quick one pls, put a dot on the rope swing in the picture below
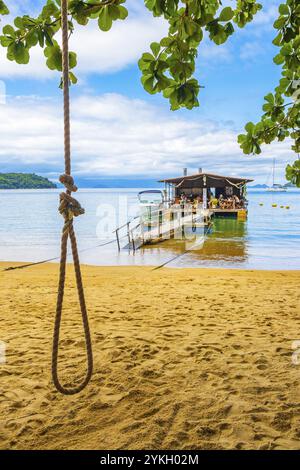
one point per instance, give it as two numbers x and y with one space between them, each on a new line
69 208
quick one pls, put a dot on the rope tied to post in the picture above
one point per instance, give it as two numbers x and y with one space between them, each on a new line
69 208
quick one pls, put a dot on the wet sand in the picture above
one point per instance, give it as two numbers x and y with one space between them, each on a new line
184 359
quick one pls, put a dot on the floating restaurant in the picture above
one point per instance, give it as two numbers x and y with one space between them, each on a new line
186 205
220 195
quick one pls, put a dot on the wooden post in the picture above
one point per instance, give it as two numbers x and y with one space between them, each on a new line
142 231
118 240
204 198
159 223
128 233
150 218
133 243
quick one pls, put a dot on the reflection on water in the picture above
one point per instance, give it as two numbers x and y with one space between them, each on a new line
30 229
268 239
225 242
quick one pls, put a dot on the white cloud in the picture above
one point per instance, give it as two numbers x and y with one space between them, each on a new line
253 41
210 53
98 52
252 50
115 135
109 52
267 15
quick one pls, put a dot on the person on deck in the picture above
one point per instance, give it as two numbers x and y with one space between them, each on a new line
221 202
183 199
236 202
213 203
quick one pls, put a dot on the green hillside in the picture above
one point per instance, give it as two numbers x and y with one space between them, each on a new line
24 181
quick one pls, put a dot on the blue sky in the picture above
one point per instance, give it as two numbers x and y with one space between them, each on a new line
118 129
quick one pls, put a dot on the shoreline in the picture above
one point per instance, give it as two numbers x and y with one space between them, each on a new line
184 359
149 267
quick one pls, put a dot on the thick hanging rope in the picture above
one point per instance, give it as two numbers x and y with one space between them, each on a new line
69 208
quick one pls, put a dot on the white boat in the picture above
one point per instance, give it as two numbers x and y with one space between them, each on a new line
276 187
151 197
161 218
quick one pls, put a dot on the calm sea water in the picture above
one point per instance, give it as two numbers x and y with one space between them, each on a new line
30 228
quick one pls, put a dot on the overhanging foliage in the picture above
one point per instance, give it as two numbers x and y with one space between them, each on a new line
169 66
281 118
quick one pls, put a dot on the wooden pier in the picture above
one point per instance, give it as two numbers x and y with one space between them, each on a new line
162 225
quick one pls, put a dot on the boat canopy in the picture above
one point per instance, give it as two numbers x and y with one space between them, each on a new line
151 196
206 180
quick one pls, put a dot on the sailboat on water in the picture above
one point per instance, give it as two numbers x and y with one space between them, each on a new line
276 187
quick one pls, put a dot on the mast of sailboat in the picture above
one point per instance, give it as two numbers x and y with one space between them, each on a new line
273 171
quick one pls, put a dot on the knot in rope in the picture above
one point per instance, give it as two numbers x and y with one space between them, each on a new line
69 208
68 182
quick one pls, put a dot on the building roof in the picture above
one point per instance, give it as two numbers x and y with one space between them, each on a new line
209 176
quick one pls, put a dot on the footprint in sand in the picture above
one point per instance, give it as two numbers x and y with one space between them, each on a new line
282 421
262 363
225 426
206 431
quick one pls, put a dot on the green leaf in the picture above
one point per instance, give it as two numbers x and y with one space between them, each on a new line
3 8
48 37
5 41
249 127
123 12
73 78
277 40
220 38
155 48
9 31
284 9
229 29
113 12
280 22
72 60
32 38
148 83
41 38
105 20
166 42
49 10
18 22
20 53
278 59
226 14
270 98
54 57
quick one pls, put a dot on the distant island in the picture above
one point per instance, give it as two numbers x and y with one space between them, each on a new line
265 186
24 181
260 186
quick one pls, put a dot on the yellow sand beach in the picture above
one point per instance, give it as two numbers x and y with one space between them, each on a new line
184 359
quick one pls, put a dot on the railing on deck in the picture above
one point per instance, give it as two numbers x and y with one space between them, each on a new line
157 224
